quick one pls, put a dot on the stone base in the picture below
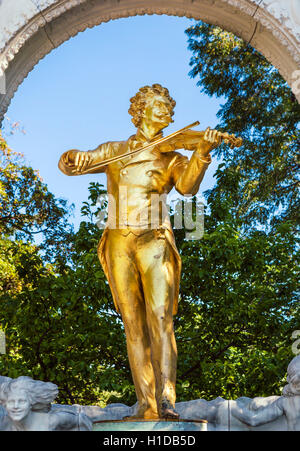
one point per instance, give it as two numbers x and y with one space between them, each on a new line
150 425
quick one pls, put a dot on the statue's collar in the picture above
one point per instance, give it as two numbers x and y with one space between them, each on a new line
141 138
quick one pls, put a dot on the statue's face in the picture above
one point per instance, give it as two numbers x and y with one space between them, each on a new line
158 111
18 404
295 384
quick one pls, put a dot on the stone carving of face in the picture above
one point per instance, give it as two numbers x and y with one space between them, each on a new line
295 384
158 111
18 404
293 378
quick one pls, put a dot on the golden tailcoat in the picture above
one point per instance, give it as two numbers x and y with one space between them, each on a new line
133 180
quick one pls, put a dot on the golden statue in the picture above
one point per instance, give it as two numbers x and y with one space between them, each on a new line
141 262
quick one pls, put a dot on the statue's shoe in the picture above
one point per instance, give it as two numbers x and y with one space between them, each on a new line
167 410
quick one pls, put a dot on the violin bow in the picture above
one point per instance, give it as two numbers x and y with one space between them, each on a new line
141 149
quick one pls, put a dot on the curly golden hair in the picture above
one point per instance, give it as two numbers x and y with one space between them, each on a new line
138 102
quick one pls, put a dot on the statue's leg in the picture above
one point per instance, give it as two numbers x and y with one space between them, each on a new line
156 262
126 284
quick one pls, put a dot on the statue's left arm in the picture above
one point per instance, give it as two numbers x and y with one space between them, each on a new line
186 174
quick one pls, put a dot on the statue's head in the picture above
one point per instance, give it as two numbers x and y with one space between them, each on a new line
293 378
20 396
152 104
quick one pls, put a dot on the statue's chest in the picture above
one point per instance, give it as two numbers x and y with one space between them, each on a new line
148 171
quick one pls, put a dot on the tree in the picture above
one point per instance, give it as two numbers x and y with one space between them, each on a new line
55 308
238 304
233 327
242 315
57 318
28 209
237 311
262 175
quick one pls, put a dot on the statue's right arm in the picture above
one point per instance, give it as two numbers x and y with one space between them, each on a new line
74 162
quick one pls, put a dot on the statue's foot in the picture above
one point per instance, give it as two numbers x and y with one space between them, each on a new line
167 410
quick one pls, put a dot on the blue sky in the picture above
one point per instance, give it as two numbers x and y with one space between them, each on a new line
77 97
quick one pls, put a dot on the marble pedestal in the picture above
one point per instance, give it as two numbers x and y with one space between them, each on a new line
151 425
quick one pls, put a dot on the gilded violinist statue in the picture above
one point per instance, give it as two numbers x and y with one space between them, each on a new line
140 260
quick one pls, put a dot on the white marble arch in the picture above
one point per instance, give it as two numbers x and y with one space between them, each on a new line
30 29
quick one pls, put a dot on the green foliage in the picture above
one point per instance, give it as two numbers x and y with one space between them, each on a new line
237 312
61 328
28 209
59 322
239 296
262 176
238 304
236 315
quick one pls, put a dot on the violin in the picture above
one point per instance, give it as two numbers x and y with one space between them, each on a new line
189 139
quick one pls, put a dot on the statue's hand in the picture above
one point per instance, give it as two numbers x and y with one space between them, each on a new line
213 138
210 140
82 161
78 160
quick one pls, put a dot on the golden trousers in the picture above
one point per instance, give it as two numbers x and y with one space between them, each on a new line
141 274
